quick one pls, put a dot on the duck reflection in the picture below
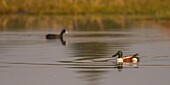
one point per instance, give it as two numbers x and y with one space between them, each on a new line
122 65
119 66
62 41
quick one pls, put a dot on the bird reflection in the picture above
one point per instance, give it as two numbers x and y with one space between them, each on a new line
122 65
119 66
63 42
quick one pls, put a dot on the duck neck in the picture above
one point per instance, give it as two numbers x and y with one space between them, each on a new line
120 56
61 34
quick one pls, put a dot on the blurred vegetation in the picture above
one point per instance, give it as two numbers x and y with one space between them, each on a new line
148 8
76 23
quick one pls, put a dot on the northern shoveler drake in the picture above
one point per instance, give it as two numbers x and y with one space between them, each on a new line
121 59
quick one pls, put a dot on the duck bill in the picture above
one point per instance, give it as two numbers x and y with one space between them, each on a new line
114 55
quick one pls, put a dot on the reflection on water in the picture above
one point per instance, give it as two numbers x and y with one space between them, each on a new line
63 42
94 49
79 23
26 22
84 56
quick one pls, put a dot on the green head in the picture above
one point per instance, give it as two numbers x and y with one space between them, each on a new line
119 54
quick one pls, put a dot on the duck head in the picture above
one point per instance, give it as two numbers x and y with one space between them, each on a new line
119 54
63 31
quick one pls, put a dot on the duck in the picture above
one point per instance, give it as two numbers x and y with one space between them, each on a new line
127 59
56 36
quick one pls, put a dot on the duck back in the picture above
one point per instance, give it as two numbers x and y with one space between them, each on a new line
52 36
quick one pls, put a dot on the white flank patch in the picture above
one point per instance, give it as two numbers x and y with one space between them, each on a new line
135 60
119 60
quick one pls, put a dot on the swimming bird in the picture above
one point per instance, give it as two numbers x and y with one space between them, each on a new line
121 58
56 36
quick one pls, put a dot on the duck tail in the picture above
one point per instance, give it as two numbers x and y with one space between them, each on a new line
137 54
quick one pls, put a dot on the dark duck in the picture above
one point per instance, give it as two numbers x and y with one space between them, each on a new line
56 36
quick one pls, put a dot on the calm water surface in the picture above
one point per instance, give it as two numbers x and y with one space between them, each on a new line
27 58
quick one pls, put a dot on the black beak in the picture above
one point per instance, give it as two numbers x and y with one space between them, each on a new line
114 55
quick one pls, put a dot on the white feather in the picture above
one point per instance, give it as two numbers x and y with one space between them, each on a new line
135 60
119 60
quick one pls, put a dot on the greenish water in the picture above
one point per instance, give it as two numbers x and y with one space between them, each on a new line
27 58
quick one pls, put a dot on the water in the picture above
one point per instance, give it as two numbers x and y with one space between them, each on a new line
27 58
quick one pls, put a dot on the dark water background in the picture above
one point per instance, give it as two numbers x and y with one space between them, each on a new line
27 58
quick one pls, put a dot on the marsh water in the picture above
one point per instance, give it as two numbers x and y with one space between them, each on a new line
84 57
